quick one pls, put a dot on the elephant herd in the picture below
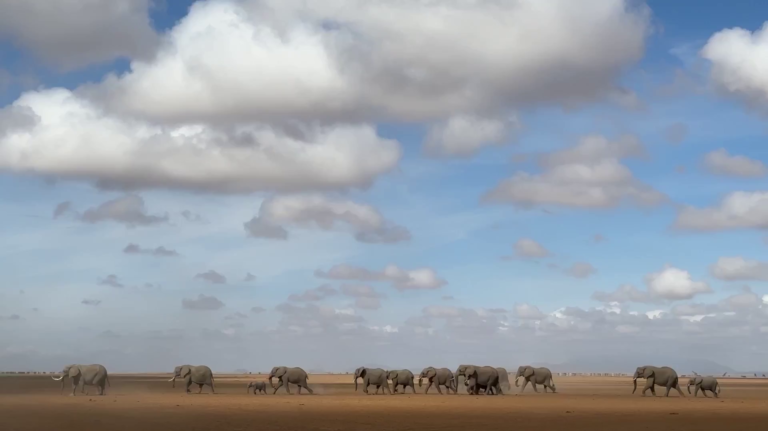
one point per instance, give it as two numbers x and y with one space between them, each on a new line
477 379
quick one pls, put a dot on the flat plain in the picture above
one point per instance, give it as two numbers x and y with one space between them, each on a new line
148 402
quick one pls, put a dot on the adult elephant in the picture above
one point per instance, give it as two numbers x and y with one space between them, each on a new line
372 376
198 374
503 378
92 375
658 376
534 376
460 374
438 377
289 375
487 377
704 384
402 378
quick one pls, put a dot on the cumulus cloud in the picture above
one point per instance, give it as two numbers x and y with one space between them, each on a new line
128 210
528 312
676 133
112 281
528 248
71 138
414 279
383 61
586 175
211 277
157 251
738 66
464 136
317 294
202 303
75 33
61 209
737 268
324 213
581 270
674 284
737 210
720 162
366 297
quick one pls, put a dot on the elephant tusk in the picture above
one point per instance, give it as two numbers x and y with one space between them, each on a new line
54 378
171 379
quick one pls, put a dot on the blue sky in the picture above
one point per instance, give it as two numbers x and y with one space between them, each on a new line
252 138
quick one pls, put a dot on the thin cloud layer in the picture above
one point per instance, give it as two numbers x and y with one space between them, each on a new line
211 277
202 303
400 279
157 251
529 248
739 269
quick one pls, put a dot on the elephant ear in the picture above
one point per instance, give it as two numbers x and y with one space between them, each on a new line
393 375
528 372
698 380
185 370
431 372
74 371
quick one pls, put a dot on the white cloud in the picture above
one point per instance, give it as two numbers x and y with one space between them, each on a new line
737 210
674 284
529 248
71 138
738 268
317 294
412 61
740 64
74 33
212 277
414 279
586 175
528 312
464 136
721 163
325 213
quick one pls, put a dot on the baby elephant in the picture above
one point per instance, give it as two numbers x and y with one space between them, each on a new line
257 387
705 384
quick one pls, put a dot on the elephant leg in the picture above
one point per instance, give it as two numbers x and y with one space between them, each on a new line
429 385
288 387
74 387
649 385
696 391
306 386
279 383
522 388
200 388
679 391
544 385
714 392
213 389
498 390
533 384
668 389
704 392
298 390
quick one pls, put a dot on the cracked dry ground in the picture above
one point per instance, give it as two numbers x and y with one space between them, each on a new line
147 402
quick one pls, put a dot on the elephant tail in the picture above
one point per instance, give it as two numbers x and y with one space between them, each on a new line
551 381
718 388
108 384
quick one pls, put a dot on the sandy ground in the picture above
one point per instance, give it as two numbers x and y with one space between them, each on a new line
147 402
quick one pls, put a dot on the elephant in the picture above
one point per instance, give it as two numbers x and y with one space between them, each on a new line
460 373
197 374
402 378
257 387
705 384
372 376
92 375
659 376
503 378
437 377
541 376
289 375
482 377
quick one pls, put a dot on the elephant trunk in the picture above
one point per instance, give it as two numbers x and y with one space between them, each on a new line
270 381
634 385
355 382
420 378
689 389
516 383
173 379
248 389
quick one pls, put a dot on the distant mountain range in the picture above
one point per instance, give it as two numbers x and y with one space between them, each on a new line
619 364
